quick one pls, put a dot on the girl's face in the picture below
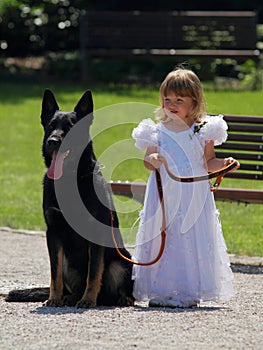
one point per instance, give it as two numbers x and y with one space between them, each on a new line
177 106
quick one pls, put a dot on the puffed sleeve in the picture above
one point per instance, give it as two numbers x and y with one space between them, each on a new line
215 129
145 134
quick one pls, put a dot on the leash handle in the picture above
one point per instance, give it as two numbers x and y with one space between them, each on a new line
232 166
219 174
163 230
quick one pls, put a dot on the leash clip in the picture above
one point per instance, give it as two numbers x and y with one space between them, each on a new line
214 187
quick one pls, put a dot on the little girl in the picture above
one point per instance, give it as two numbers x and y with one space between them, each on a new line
194 266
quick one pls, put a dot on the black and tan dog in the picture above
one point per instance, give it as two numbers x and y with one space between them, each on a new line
86 270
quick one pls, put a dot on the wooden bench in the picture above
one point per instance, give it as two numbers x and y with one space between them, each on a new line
245 143
176 35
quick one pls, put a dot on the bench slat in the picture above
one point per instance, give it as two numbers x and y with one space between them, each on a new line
243 175
245 138
241 156
252 167
231 118
239 195
240 146
246 128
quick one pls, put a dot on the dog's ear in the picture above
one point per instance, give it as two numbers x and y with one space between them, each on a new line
85 105
49 106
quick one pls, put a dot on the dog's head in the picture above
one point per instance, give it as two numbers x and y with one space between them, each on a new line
57 124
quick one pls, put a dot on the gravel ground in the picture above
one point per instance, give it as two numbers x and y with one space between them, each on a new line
236 324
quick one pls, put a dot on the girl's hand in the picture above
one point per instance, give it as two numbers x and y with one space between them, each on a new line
155 160
228 161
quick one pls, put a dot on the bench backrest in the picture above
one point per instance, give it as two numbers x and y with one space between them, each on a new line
168 30
245 143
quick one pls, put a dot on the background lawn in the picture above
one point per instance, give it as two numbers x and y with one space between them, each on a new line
117 111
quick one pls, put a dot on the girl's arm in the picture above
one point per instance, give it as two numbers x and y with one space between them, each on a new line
213 163
152 159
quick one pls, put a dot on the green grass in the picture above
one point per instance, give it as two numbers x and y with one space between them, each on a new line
118 110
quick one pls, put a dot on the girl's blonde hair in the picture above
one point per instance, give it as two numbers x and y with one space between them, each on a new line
185 83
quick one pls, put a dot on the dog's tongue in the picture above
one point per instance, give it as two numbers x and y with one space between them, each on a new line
55 170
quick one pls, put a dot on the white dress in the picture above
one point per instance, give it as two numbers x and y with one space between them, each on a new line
195 265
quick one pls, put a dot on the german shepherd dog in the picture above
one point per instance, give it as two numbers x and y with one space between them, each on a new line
86 270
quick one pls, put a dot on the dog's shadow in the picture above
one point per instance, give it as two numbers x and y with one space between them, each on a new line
43 310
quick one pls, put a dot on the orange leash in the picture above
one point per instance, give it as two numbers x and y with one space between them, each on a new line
219 174
219 177
163 230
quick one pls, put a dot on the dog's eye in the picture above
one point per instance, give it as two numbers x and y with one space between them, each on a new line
52 124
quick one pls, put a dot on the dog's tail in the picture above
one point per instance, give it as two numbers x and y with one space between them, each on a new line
28 295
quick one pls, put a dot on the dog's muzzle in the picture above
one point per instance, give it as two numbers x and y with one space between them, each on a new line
54 141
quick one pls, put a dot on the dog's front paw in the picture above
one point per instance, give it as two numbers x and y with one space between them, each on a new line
86 304
70 300
53 303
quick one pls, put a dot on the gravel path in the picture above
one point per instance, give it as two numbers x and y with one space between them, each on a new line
236 324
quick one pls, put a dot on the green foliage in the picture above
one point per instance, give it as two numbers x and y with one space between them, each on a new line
33 27
4 4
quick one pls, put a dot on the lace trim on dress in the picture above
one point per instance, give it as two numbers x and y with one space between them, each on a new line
215 129
145 134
